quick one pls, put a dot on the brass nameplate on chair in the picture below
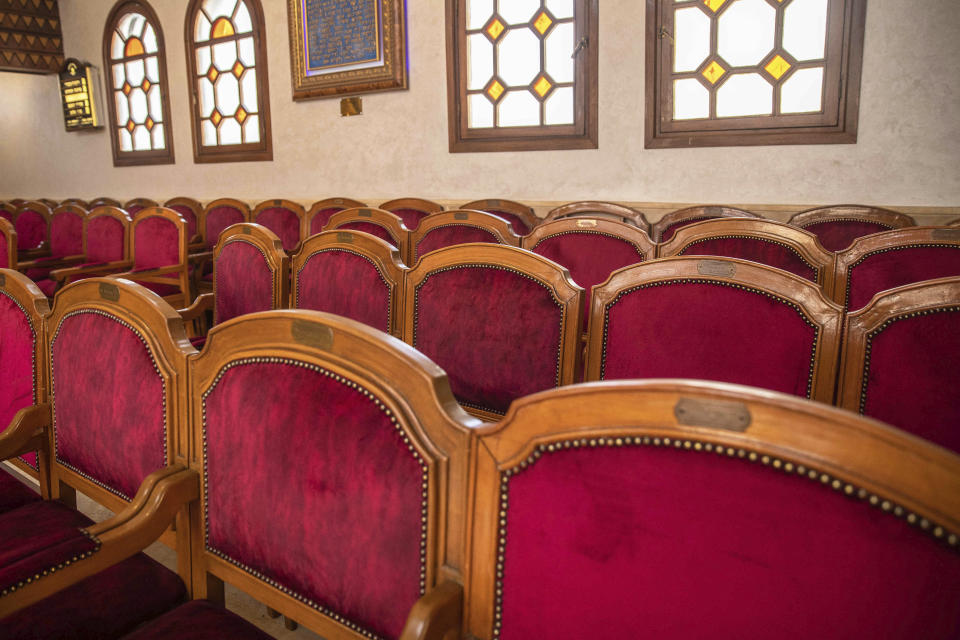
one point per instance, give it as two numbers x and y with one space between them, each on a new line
949 235
716 268
345 236
720 414
365 213
493 203
277 203
338 201
109 291
712 211
461 215
312 335
247 231
586 223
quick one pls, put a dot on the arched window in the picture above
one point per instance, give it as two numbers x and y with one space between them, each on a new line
227 65
136 68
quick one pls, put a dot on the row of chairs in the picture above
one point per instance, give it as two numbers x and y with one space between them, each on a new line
324 468
505 323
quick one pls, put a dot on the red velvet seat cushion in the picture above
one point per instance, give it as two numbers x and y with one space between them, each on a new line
4 255
709 331
888 269
628 542
449 235
14 493
244 281
836 235
102 607
31 230
198 620
218 219
66 235
756 250
105 239
345 283
284 223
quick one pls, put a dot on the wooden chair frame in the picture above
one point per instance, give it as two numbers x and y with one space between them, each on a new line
807 297
49 202
865 246
554 277
9 237
328 203
9 209
954 223
143 203
45 211
803 243
426 206
391 222
853 454
239 205
385 259
499 228
295 207
269 245
105 202
597 209
646 248
69 274
413 388
702 212
493 205
63 261
194 206
79 202
853 213
155 276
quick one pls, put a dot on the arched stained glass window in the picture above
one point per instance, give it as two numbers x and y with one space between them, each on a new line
226 60
136 70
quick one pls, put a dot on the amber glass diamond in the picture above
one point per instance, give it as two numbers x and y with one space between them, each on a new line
126 89
495 90
542 86
216 117
241 115
714 72
145 85
494 29
149 124
212 74
777 67
131 126
238 69
714 4
542 23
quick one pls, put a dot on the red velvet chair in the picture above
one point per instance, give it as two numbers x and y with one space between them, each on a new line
117 431
49 202
679 509
23 310
7 211
66 247
32 222
160 258
135 206
901 360
664 228
838 226
320 211
190 210
595 209
103 201
77 202
448 228
352 274
715 319
285 218
894 258
106 246
774 244
521 217
411 210
8 245
335 469
501 321
218 215
377 222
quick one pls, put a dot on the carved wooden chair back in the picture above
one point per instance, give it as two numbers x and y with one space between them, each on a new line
16 202
592 503
901 360
891 259
49 202
8 245
320 211
715 319
448 228
595 209
371 434
774 244
190 210
106 236
32 222
411 210
285 218
160 259
377 222
106 202
521 217
7 211
251 272
501 321
66 247
79 202
664 228
136 205
838 226
352 274
220 214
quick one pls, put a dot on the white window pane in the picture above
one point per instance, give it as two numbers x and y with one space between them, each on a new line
241 20
248 55
518 11
745 94
201 30
150 39
123 111
518 57
479 111
690 100
131 25
803 91
138 106
559 50
135 72
141 139
691 39
230 131
560 8
116 47
805 29
207 100
159 140
153 69
155 102
248 90
479 61
118 76
126 142
228 94
251 129
203 60
559 106
225 55
478 12
519 109
219 8
209 133
745 32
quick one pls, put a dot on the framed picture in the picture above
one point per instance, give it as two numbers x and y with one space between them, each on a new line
347 46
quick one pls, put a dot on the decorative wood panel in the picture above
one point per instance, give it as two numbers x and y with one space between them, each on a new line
30 38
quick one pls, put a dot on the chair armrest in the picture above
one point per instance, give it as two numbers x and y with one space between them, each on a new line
201 305
437 615
36 252
45 263
25 432
161 495
90 270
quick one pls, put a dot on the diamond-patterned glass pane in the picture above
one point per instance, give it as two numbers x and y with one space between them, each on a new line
803 91
745 32
518 11
138 106
241 19
805 29
542 86
478 12
201 29
141 139
691 39
518 55
224 55
116 47
559 106
714 72
208 133
690 100
479 111
207 100
150 39
131 25
745 94
159 139
135 72
230 132
123 110
228 94
126 140
479 61
247 51
219 8
560 8
777 67
251 129
519 109
203 60
248 91
153 69
118 76
542 23
155 103
559 51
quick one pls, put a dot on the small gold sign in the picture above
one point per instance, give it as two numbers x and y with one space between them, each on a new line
585 223
716 268
461 215
345 236
950 235
719 414
351 106
312 334
109 291
365 213
80 94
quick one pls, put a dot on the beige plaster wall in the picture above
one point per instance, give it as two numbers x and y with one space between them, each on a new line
907 154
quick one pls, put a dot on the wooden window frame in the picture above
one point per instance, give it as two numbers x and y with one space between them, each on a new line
582 134
153 156
836 124
249 152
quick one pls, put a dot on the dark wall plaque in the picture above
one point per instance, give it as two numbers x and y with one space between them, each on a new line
79 92
30 38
